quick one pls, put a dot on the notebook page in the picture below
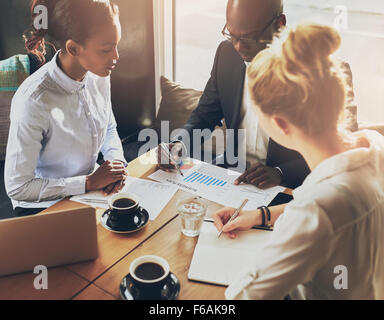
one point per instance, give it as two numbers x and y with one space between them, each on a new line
215 260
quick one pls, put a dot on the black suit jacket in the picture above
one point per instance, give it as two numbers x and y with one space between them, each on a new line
222 99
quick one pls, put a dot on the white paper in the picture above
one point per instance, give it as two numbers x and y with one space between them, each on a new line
216 260
217 184
153 196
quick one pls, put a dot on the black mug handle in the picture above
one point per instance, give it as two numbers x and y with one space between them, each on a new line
139 217
107 212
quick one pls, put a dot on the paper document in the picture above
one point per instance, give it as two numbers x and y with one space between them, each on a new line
217 184
153 196
216 260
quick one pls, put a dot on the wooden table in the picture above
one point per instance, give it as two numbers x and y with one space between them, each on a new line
100 279
62 284
177 249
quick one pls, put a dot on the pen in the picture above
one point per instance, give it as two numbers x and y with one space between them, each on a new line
94 200
235 214
171 157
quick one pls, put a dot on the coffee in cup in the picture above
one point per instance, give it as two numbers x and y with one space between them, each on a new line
123 203
149 272
124 210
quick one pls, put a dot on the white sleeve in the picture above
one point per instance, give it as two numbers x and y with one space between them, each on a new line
300 244
26 139
112 148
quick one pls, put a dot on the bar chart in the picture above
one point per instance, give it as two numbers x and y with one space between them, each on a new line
217 184
204 179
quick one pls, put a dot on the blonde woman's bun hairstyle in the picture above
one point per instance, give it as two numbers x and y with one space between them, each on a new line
298 77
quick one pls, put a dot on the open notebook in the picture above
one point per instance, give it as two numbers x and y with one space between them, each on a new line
215 260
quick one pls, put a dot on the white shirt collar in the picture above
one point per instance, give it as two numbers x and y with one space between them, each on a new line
64 81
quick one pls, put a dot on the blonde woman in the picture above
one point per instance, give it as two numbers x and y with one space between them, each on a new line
335 224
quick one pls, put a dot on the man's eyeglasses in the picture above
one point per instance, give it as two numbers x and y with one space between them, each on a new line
250 41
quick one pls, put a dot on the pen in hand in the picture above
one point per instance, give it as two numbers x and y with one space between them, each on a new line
165 148
235 214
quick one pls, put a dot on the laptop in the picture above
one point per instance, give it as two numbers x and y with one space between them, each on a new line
49 239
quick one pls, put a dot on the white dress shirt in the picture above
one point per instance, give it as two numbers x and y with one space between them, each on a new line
58 127
256 140
336 219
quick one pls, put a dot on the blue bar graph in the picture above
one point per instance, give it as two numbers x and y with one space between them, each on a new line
190 176
202 176
196 177
212 181
204 179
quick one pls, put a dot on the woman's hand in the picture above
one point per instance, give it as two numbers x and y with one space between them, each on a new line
114 187
111 171
244 221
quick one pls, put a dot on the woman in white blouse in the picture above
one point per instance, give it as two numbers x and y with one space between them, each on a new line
61 116
327 243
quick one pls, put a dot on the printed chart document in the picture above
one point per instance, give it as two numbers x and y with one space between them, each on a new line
153 196
217 184
216 260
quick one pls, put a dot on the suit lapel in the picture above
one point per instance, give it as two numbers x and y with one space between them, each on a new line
237 97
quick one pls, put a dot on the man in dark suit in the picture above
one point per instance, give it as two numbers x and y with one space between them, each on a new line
250 25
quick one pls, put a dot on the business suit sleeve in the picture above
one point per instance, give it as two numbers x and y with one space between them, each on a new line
294 172
208 114
292 165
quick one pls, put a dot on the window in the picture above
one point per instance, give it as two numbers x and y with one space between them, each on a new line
198 34
198 25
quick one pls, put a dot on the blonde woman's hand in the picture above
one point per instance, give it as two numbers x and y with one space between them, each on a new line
244 221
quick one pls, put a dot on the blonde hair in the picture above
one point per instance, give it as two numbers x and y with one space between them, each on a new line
296 76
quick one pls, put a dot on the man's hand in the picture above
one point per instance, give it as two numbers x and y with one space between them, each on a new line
163 160
261 176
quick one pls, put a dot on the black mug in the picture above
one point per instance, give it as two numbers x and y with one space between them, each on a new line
149 274
124 210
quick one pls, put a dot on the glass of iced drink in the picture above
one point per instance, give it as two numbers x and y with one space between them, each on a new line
192 211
